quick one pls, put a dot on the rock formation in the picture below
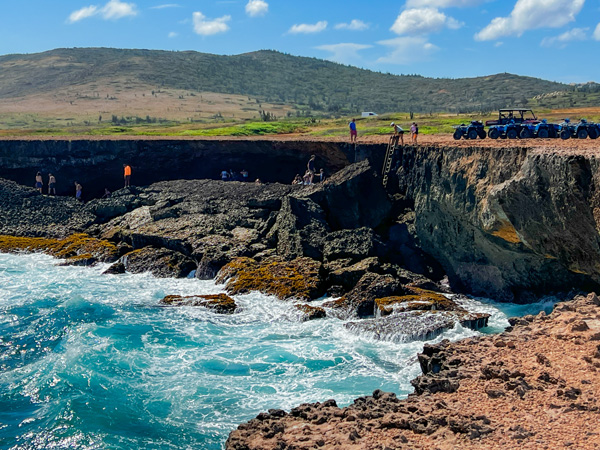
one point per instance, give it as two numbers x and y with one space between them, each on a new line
506 223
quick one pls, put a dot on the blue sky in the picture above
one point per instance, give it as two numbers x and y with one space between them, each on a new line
551 39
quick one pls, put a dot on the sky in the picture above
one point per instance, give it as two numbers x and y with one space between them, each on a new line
557 40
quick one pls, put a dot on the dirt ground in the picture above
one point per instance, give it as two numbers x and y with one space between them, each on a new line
587 147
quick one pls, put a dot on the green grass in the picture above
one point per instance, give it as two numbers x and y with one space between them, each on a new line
250 129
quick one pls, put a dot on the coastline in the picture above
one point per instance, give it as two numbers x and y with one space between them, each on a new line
493 221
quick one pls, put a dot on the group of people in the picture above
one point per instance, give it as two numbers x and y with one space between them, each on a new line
39 184
398 131
310 176
233 176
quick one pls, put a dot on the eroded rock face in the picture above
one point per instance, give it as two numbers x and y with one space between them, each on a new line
506 223
353 198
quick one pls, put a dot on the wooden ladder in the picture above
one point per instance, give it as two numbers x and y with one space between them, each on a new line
389 157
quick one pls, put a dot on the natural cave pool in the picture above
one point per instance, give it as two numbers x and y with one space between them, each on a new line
90 361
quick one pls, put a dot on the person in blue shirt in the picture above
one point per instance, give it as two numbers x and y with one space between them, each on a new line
353 132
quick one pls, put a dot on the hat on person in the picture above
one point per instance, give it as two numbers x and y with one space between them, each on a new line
392 124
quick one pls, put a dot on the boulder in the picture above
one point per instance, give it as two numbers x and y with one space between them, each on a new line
360 301
115 269
308 312
354 197
299 278
161 262
416 324
300 229
220 303
415 299
345 274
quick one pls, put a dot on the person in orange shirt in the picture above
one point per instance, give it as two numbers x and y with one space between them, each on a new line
127 174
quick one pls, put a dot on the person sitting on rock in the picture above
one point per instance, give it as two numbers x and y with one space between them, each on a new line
39 182
224 175
307 177
297 179
321 176
106 193
244 174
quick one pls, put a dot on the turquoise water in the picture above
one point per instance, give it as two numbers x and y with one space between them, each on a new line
92 362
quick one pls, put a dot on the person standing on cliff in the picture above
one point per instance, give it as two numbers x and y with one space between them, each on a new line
311 167
78 191
51 184
414 132
127 175
399 132
39 182
353 132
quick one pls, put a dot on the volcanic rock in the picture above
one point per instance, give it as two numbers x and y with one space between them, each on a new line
161 262
299 278
220 303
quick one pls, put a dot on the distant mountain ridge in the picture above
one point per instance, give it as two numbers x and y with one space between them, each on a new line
306 83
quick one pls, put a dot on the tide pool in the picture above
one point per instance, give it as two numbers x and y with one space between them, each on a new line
91 361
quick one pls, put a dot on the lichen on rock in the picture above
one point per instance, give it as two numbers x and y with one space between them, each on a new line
73 246
415 299
299 278
220 303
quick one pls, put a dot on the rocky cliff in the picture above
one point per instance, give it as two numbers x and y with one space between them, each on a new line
509 224
98 163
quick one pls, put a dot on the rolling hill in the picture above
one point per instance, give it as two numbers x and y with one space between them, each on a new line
139 81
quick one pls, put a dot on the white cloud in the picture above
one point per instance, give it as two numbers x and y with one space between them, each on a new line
173 34
442 3
531 14
597 32
83 13
206 27
346 53
114 9
256 8
418 21
354 25
560 41
169 5
407 49
306 28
